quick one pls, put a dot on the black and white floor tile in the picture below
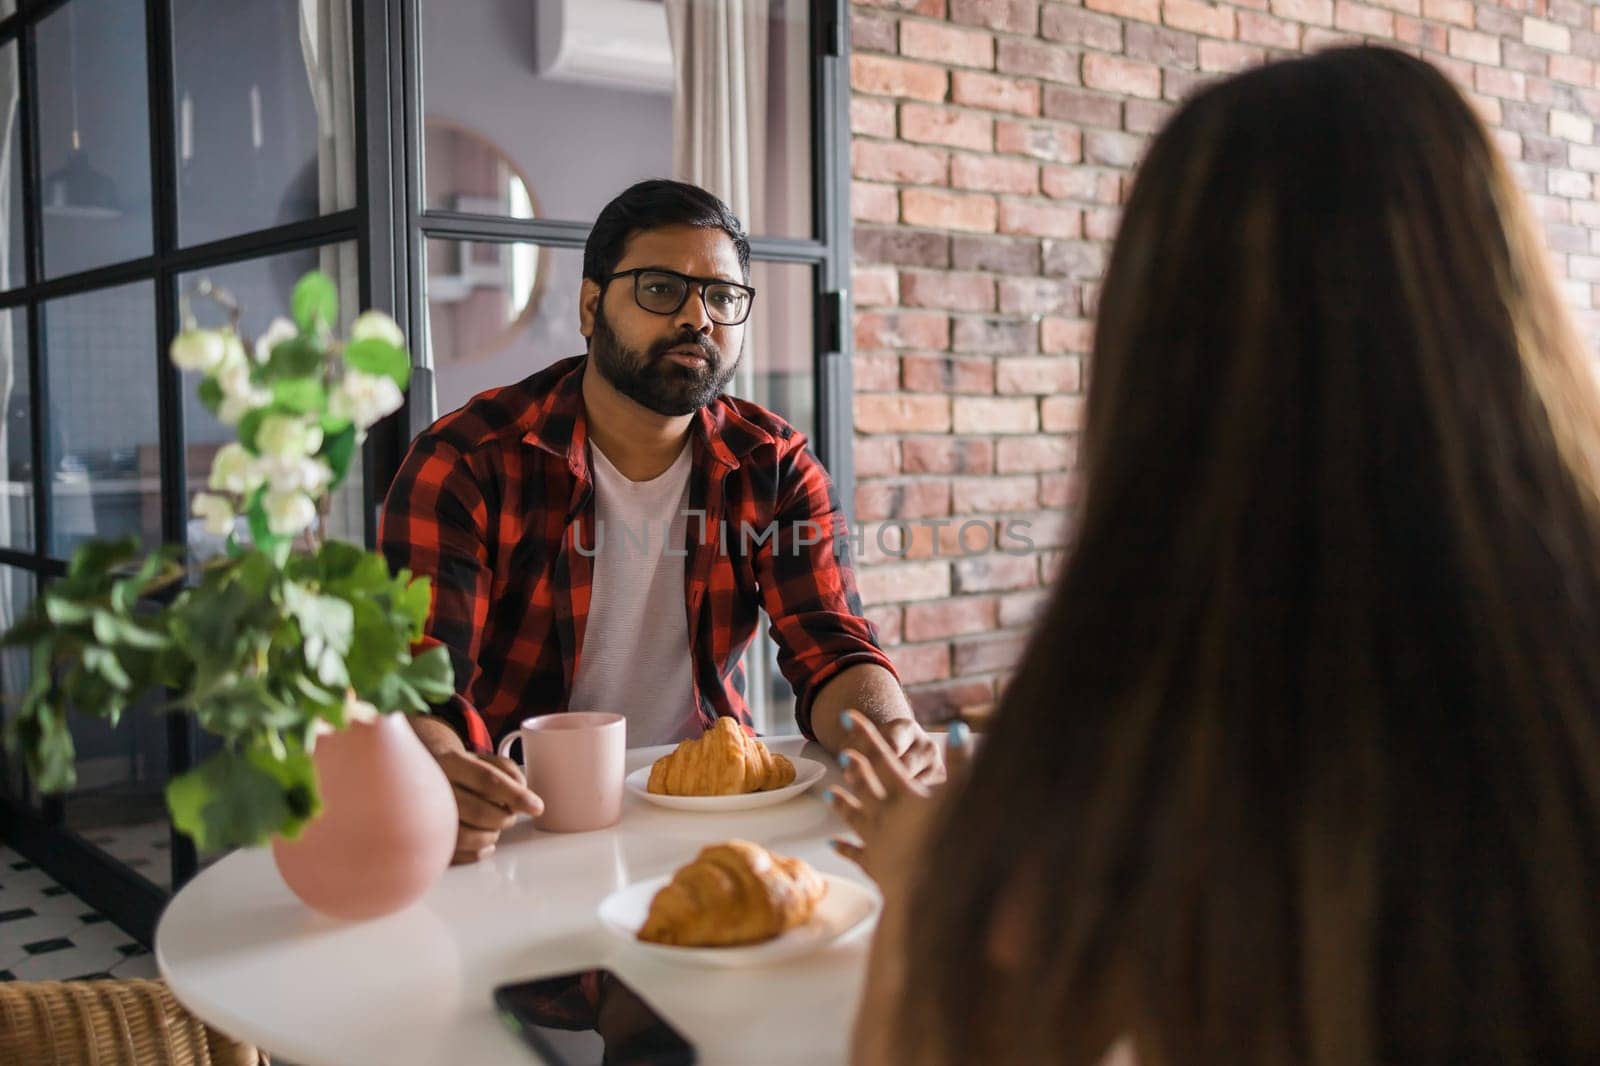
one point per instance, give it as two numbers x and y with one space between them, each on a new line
47 933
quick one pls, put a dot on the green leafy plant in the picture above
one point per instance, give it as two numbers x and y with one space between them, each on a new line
282 637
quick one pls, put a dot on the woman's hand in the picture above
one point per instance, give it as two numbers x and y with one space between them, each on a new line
884 804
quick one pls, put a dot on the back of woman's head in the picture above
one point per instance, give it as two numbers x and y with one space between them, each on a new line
1302 763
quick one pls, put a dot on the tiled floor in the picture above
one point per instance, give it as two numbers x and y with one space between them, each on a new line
47 933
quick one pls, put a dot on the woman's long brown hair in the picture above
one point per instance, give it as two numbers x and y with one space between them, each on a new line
1302 762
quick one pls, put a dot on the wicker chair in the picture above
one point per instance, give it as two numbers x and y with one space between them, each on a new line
108 1023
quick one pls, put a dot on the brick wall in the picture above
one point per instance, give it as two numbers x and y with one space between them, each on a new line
993 141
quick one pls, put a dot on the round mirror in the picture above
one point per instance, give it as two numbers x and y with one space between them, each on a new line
480 294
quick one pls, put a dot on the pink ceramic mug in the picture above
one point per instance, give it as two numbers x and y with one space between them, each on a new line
574 761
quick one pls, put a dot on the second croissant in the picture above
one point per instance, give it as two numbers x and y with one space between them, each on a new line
722 761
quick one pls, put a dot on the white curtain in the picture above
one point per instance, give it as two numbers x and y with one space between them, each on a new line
326 43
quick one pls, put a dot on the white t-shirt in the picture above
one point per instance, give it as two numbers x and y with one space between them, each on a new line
635 656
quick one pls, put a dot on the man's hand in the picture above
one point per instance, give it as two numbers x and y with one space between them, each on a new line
490 790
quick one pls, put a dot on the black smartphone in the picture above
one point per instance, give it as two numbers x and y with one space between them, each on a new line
590 1018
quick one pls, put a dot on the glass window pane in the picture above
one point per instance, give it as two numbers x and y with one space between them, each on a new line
627 98
119 802
497 313
94 135
257 147
16 593
16 443
13 265
262 288
102 438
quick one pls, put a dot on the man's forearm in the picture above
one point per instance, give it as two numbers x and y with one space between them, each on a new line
436 734
867 688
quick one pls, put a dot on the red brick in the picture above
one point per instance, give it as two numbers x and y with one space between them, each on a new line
1013 16
930 8
1488 107
1404 7
871 118
902 499
949 292
1075 259
881 76
1147 116
922 662
1475 47
1162 46
936 704
991 573
947 455
876 413
905 247
876 456
947 210
873 286
876 371
952 618
1038 296
1042 375
1178 84
1127 76
1316 12
1229 57
986 495
1021 609
947 126
948 374
1059 490
1003 255
1507 84
1419 33
886 621
995 93
946 44
1510 143
1040 220
874 203
1076 183
989 654
889 161
1578 129
1112 149
1100 224
1072 25
1086 108
871 33
1456 11
995 336
1205 19
1359 18
1547 35
1033 455
978 415
1037 59
904 329
905 583
1143 10
1572 70
995 174
1256 28
1061 414
1066 335
1056 144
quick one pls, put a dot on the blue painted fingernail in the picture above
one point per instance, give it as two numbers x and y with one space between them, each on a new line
959 734
846 722
844 758
832 794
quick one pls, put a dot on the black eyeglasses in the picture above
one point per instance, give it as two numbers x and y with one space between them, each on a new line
664 291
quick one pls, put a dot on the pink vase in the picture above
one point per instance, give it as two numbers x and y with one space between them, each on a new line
387 827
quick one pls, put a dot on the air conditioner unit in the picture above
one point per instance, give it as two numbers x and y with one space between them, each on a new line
621 44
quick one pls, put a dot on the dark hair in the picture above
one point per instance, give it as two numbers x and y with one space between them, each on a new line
651 205
1302 763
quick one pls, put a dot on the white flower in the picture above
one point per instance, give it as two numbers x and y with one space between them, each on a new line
375 325
301 474
217 511
233 378
198 349
279 330
233 408
235 470
287 436
288 512
364 398
357 709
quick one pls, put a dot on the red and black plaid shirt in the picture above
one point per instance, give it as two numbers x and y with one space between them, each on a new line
490 499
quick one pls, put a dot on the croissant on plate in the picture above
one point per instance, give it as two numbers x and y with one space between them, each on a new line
722 761
733 893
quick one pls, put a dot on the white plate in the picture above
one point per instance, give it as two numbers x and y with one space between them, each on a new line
846 911
807 772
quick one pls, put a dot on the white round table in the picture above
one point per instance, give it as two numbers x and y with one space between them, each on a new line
242 953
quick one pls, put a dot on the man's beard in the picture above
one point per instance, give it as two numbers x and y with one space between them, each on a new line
663 385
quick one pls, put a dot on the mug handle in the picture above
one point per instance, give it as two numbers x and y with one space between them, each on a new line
504 749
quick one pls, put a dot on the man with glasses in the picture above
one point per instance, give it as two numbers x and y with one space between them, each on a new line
603 534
